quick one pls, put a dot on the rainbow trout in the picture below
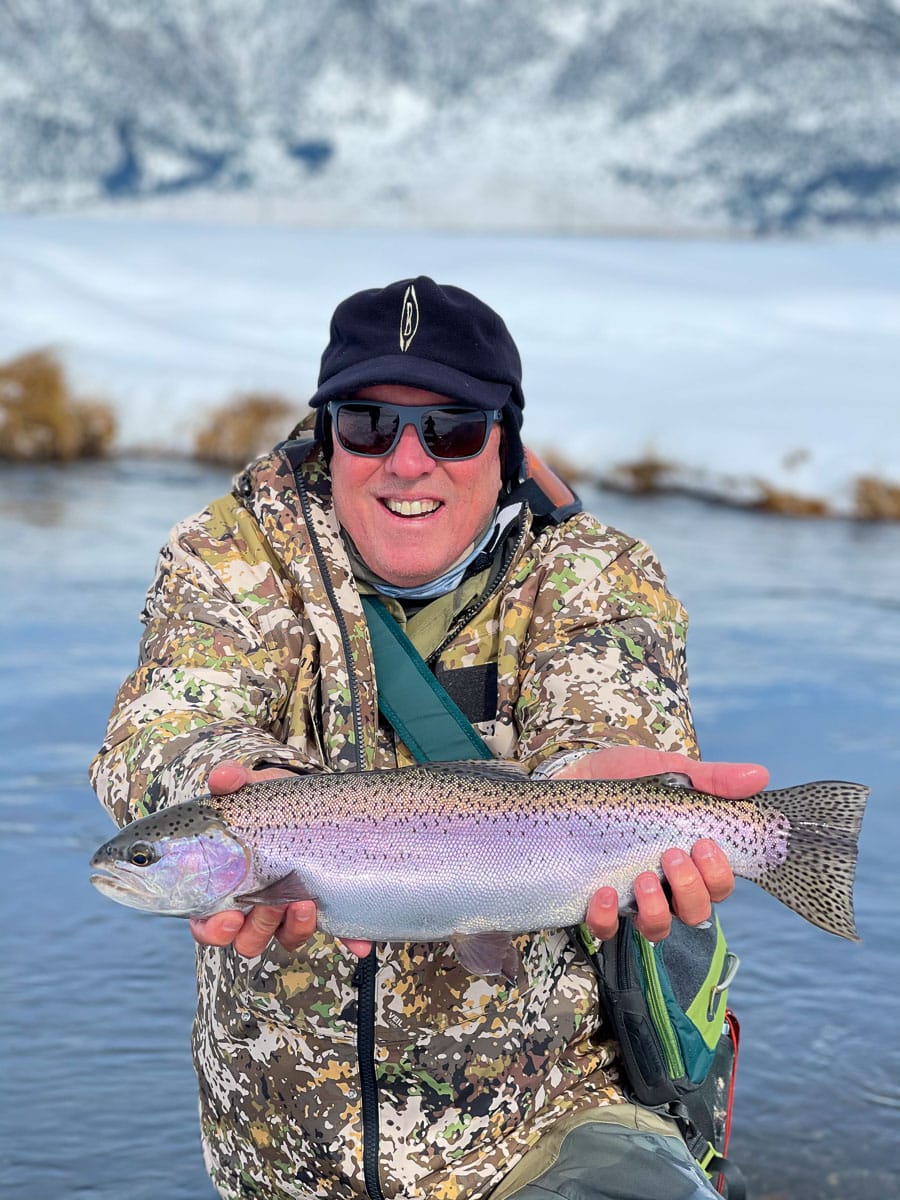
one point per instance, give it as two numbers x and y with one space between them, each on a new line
473 853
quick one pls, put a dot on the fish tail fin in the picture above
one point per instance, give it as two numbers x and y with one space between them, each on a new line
816 877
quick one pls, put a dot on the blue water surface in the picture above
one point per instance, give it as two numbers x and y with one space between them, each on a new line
795 661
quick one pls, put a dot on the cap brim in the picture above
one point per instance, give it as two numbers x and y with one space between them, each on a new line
409 371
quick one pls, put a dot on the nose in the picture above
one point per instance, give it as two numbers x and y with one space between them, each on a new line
409 458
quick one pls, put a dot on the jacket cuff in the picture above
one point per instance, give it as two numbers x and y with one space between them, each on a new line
550 766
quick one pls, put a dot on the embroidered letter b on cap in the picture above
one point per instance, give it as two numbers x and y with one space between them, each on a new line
409 317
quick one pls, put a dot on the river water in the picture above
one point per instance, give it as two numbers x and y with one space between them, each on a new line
795 662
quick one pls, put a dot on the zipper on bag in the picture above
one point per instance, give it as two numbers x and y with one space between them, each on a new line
658 1012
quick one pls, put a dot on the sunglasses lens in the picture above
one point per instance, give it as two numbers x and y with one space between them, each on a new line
447 433
454 433
366 428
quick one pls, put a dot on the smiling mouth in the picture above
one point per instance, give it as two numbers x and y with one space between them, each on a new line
411 508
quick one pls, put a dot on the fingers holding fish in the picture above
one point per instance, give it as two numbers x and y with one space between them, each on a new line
260 926
219 929
250 933
229 776
733 781
654 916
691 900
712 863
298 924
602 917
357 946
695 881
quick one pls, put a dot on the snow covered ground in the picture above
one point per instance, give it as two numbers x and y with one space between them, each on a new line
739 361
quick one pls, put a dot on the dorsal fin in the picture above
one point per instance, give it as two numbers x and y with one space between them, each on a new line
479 768
669 779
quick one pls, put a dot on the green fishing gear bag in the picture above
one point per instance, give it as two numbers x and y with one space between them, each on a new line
667 1006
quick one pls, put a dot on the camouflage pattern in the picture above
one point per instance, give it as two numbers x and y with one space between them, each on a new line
246 657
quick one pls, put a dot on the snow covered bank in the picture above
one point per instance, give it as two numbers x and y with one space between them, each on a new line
745 366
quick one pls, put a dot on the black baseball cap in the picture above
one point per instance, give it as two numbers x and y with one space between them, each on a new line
419 333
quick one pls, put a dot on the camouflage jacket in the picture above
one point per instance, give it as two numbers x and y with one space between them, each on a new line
256 649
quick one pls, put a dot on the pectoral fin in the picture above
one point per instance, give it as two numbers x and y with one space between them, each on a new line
488 954
283 891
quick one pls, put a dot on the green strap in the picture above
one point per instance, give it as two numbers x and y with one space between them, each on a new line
430 724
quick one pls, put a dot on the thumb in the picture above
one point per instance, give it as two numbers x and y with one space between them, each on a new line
732 781
227 777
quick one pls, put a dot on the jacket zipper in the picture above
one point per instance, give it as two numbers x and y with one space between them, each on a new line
367 970
355 707
365 980
478 604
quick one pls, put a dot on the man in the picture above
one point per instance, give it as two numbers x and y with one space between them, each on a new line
335 1071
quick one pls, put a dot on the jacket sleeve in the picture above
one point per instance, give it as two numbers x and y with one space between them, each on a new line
218 661
603 659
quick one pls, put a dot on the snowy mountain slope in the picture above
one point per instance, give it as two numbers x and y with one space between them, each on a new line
762 115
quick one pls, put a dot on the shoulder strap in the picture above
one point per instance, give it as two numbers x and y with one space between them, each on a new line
409 696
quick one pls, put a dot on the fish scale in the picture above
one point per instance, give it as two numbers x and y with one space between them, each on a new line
469 851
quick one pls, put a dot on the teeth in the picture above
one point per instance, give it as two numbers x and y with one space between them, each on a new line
412 508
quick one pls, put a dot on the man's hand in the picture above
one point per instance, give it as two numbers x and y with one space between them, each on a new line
250 933
697 880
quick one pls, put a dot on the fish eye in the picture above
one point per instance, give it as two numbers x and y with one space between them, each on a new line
141 855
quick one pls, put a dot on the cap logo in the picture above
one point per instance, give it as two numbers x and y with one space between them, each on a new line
409 317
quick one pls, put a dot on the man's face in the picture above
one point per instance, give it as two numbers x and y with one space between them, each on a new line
451 501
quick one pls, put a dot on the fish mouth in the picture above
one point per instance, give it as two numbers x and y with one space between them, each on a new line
131 894
106 881
113 885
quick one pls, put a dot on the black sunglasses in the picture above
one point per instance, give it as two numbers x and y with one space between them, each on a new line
372 429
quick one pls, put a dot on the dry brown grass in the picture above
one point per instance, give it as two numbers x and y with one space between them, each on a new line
40 419
651 475
246 427
643 477
789 504
876 500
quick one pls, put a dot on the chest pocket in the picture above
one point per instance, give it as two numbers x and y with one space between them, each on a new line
472 689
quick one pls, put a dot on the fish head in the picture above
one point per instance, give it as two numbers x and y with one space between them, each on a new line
183 861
